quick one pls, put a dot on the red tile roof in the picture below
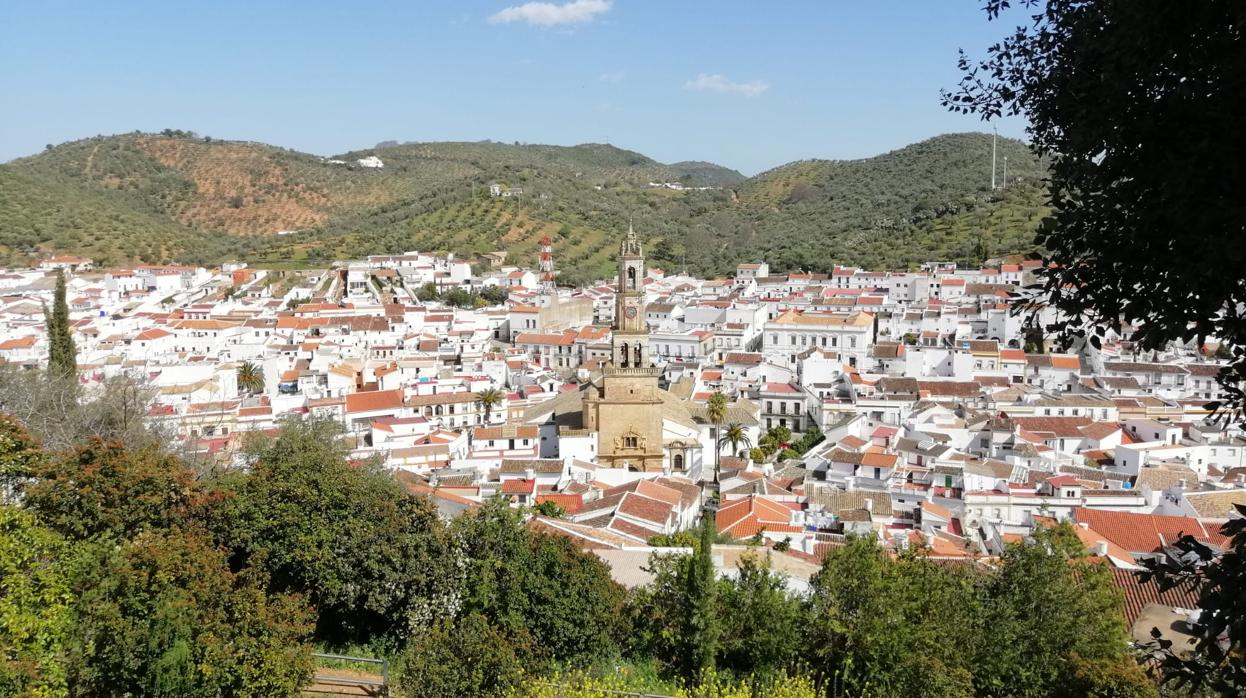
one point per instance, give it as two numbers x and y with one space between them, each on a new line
373 401
1138 594
1146 533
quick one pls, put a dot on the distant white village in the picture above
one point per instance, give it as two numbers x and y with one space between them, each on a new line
909 406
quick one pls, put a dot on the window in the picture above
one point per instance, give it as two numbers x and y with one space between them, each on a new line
631 442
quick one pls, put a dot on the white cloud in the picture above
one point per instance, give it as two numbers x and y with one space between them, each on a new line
612 76
548 14
706 82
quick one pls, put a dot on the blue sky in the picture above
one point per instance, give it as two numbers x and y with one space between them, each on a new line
750 85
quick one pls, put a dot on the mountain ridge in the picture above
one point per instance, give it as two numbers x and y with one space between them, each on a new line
170 196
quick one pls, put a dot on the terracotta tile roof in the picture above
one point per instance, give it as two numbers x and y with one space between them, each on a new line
950 388
1100 430
373 401
1146 533
1062 361
519 486
745 517
506 431
441 399
1138 594
1060 427
936 510
515 466
627 528
645 508
152 333
1136 367
570 503
19 343
659 492
1216 505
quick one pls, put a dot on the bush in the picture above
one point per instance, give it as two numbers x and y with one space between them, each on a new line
471 658
373 559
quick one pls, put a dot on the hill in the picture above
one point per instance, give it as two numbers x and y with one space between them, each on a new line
176 197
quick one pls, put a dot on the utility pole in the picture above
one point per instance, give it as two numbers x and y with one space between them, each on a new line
1004 184
994 137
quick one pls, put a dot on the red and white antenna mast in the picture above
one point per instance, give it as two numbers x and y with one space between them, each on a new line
547 264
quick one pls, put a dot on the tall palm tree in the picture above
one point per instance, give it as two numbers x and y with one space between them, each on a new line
488 399
735 435
250 378
716 412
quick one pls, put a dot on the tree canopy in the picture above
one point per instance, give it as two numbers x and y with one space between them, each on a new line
1136 105
373 559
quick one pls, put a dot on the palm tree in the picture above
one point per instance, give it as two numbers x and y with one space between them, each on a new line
488 399
716 412
250 378
735 435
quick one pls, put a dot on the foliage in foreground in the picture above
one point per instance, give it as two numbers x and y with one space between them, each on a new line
109 589
708 685
1218 662
148 580
1138 104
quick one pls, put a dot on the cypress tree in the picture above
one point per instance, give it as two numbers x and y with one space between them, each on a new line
62 355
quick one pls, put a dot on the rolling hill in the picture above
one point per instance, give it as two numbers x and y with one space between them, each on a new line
175 197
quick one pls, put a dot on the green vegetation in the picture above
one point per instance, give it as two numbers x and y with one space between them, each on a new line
490 398
162 197
716 412
462 298
370 558
250 378
1115 116
62 355
124 572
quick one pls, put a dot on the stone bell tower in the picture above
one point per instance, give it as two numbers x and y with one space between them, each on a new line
627 411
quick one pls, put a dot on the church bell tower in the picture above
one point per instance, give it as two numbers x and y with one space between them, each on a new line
627 411
631 333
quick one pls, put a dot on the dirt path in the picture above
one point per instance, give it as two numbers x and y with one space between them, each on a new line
340 682
86 171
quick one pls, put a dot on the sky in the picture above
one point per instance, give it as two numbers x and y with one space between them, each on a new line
749 85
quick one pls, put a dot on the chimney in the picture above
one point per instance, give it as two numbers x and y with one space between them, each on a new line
1240 480
1181 484
1101 548
529 474
869 505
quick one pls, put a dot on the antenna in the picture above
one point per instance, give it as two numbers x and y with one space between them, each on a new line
994 136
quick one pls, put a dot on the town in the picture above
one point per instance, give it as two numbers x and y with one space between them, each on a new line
794 409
